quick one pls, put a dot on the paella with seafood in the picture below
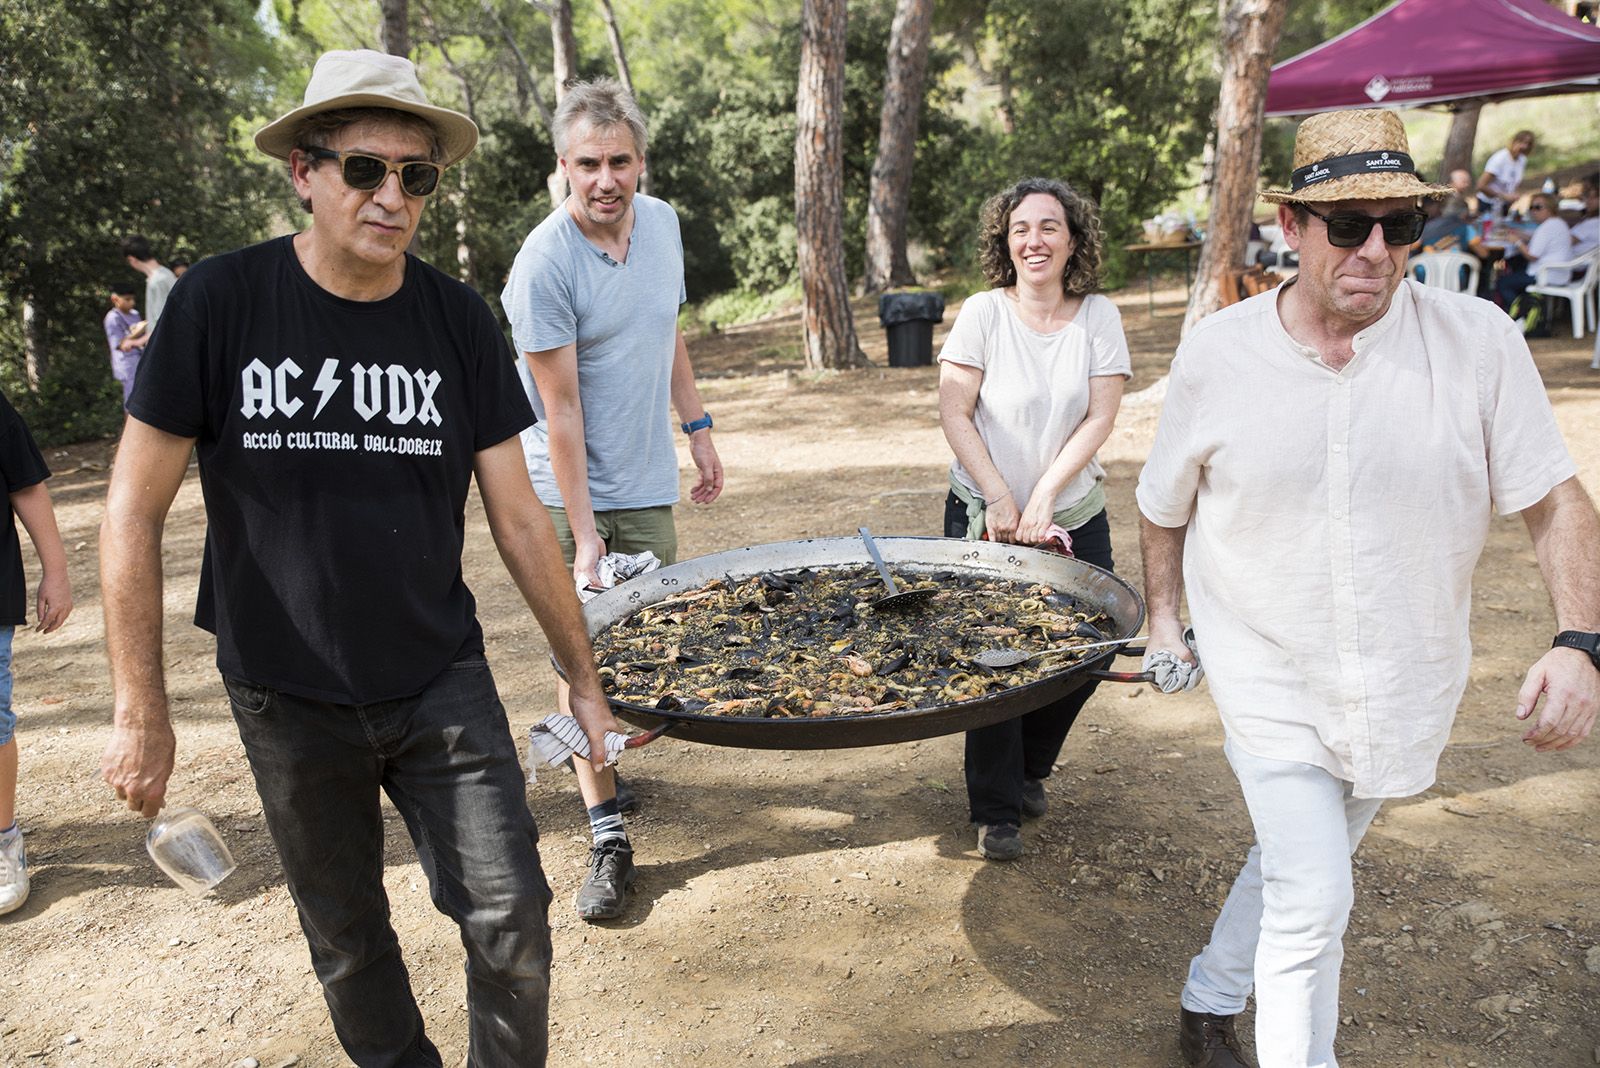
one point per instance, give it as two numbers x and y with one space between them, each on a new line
809 643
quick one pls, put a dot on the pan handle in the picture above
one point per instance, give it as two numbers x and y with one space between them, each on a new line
649 736
1124 676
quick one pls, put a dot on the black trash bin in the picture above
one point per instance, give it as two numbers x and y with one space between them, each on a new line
908 318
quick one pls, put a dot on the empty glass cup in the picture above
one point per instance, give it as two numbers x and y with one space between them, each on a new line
188 847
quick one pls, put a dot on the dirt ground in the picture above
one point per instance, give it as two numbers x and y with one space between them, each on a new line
828 909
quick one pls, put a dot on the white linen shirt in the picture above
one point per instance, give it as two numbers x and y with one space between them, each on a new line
1335 518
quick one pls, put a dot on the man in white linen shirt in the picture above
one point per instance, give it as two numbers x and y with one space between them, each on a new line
1321 485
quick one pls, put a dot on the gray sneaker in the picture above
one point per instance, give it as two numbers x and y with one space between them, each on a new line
13 872
999 841
604 892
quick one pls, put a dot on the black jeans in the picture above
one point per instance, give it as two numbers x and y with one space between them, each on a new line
1000 756
447 761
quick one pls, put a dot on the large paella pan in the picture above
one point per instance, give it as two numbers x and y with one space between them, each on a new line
917 558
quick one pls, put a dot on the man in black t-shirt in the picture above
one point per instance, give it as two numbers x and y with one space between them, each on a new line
341 396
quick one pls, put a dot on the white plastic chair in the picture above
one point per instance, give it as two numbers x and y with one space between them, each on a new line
1579 291
1442 270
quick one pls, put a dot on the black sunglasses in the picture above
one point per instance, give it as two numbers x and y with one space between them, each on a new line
1349 229
418 178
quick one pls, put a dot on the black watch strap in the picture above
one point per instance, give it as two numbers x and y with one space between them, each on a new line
1581 640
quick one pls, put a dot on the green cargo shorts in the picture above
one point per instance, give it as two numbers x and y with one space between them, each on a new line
626 530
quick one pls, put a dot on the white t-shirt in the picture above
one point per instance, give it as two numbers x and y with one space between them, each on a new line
1507 175
1035 389
156 287
1585 236
1335 518
1552 242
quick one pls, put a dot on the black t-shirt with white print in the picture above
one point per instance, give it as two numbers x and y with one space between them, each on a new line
336 441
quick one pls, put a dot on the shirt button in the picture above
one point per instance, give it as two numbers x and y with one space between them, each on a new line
1338 514
1338 448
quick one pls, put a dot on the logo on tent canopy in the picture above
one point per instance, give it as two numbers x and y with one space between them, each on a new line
1380 87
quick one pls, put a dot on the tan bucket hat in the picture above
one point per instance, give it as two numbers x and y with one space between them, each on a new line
1353 155
368 79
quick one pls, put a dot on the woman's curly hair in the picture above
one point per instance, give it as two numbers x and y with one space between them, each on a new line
1082 275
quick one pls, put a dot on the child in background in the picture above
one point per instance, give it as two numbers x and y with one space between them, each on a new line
24 471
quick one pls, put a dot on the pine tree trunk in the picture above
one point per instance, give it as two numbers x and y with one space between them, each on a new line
564 65
889 199
35 346
830 332
1458 144
1249 34
565 46
396 27
620 56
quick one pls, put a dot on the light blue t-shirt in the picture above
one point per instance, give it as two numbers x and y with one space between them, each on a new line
624 317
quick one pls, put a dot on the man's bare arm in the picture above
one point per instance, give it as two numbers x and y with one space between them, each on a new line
1566 539
555 373
149 469
527 543
1162 552
32 505
686 401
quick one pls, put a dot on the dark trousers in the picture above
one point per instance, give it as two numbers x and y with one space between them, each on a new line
447 761
1000 756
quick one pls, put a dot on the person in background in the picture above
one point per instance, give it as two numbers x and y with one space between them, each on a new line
1497 185
1586 231
179 267
1550 242
1462 203
23 468
126 335
1030 380
158 280
593 302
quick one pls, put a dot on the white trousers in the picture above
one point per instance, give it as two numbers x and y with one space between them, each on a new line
1282 927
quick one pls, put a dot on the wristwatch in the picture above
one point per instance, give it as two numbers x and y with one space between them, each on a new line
1581 640
702 423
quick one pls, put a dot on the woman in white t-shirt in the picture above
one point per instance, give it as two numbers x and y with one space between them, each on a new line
1030 381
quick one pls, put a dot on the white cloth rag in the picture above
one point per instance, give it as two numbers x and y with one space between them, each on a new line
614 568
558 736
1171 673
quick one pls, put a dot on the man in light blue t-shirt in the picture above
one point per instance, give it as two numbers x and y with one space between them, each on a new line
593 301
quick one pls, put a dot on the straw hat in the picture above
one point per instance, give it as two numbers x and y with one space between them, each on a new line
368 79
1353 155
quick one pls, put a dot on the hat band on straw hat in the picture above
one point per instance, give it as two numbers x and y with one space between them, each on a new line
1345 166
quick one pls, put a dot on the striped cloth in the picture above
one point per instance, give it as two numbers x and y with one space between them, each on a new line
558 737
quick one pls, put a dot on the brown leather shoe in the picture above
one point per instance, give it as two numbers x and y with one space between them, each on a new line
1209 1041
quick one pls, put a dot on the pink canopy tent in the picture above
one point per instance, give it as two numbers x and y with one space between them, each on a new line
1431 51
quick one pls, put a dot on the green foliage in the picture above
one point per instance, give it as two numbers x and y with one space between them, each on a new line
735 306
1115 99
119 116
116 118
